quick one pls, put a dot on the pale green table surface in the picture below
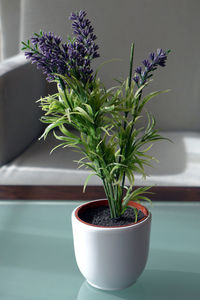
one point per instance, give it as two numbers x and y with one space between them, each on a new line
37 259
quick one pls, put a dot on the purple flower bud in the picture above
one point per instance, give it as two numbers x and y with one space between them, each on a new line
159 51
151 56
95 47
65 48
87 22
34 40
77 31
82 14
138 70
73 16
146 63
28 55
136 79
85 32
91 29
93 37
95 55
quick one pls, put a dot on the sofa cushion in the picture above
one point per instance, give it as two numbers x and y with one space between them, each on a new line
19 114
179 164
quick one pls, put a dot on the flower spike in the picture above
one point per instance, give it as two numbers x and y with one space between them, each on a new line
156 59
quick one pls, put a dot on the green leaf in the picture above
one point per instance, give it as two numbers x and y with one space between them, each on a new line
89 109
144 198
86 181
137 94
149 97
67 139
134 195
56 147
65 131
135 212
24 44
83 113
52 126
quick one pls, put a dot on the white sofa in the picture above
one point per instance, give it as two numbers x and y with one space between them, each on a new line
151 24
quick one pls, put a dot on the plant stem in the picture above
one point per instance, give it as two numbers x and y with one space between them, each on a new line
126 115
112 192
113 205
131 64
63 89
108 198
107 186
135 114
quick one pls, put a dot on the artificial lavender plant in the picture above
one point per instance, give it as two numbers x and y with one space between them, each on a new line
111 144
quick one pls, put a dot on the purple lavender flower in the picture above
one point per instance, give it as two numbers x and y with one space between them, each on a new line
158 59
71 58
83 50
48 53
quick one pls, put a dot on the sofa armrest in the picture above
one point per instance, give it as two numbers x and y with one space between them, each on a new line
21 84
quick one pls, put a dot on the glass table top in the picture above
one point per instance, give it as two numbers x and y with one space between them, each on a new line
37 259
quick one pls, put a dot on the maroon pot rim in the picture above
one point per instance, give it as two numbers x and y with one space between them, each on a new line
105 202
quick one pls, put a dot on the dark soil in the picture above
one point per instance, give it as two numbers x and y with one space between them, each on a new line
100 215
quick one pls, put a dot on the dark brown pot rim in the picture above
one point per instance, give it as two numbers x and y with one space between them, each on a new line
94 203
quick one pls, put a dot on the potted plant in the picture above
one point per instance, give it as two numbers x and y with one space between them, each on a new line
111 236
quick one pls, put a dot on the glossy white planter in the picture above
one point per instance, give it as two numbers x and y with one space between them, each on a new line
111 258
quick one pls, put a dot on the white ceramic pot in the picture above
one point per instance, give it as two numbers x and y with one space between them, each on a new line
111 258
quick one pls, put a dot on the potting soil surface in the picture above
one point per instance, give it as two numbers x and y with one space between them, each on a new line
101 216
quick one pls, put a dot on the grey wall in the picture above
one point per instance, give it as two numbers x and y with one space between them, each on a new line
151 24
10 27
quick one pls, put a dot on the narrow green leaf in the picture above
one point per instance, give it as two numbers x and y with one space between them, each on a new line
86 181
149 97
56 147
83 113
50 127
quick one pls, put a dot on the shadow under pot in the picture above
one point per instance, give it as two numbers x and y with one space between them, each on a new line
111 257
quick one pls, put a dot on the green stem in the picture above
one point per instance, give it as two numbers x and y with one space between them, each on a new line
126 115
108 198
135 115
108 195
65 95
107 186
112 200
131 64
